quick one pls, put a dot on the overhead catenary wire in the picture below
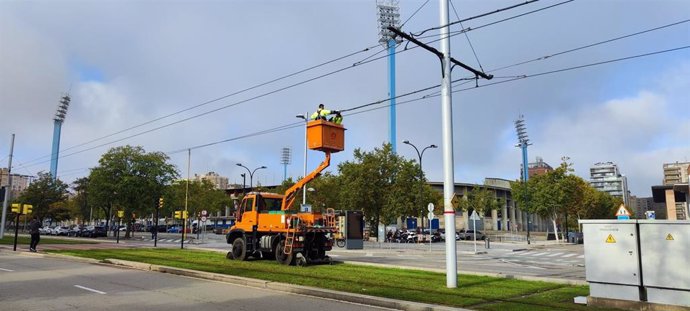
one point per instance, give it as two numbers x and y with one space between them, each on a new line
274 91
468 37
34 161
474 17
301 124
415 13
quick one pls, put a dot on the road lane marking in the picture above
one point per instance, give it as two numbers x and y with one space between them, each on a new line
6 270
90 289
554 255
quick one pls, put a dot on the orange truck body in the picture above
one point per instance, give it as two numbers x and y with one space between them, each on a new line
266 227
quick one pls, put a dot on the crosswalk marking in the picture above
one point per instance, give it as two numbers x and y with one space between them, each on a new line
539 254
568 255
554 255
581 256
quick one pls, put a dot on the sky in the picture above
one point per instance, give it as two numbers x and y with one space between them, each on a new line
173 75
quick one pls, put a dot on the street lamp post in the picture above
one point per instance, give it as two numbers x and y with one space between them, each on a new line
244 183
306 121
421 172
251 173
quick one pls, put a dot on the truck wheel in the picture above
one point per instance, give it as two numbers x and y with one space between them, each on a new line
301 261
281 257
239 249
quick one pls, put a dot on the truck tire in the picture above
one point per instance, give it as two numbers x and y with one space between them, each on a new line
281 257
239 249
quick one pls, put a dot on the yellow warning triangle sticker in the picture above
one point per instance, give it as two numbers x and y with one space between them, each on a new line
610 239
669 237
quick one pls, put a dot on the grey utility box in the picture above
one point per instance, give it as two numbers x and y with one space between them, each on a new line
665 248
612 259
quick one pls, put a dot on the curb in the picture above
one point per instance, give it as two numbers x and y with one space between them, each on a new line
497 275
289 288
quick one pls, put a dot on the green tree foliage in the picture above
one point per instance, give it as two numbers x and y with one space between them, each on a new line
557 193
202 196
130 179
480 199
47 197
382 184
79 202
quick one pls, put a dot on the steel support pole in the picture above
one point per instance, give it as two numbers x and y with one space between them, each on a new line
57 128
525 177
447 130
391 86
304 189
8 191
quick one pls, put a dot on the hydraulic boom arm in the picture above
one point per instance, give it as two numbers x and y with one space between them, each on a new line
289 197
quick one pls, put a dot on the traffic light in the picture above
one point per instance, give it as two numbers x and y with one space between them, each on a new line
120 214
16 208
28 209
160 203
185 215
178 214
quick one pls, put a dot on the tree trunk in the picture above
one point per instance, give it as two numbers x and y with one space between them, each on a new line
555 228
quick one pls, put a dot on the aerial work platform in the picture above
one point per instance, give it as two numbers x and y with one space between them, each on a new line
325 136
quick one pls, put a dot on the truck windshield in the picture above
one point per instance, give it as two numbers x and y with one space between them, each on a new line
269 204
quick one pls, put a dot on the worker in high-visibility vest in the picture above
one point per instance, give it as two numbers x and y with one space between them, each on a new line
322 113
338 119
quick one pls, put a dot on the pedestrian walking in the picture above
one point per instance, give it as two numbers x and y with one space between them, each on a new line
34 225
154 231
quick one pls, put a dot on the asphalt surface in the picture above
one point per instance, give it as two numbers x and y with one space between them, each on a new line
29 282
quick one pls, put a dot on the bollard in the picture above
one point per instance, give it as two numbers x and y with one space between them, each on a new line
487 243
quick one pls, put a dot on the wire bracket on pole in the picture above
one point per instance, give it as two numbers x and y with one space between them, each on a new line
439 54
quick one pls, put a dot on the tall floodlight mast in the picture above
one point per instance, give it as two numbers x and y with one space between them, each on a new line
57 128
523 142
389 16
285 159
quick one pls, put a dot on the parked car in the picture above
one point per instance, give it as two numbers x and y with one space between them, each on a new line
443 235
44 230
60 231
469 235
76 230
94 232
178 229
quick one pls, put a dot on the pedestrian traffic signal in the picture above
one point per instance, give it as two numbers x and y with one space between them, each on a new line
178 214
120 214
16 208
160 203
28 209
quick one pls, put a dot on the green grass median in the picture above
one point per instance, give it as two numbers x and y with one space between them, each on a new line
473 292
25 240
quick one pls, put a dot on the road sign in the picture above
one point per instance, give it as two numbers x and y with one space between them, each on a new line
610 239
622 213
474 216
430 215
204 213
430 207
455 201
203 218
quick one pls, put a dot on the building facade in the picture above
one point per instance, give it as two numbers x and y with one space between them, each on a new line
219 182
674 194
538 168
606 177
19 182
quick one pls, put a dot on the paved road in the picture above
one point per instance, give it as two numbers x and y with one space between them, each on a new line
34 283
561 261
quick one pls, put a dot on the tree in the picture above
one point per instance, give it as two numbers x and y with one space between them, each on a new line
381 184
480 199
80 200
202 195
46 195
130 179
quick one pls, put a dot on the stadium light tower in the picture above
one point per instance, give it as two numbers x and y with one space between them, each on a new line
389 16
57 128
285 159
523 142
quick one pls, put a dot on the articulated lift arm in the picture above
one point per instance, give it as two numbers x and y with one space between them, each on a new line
289 197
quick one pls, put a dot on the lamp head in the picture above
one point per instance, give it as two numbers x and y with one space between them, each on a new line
406 142
239 164
263 166
433 146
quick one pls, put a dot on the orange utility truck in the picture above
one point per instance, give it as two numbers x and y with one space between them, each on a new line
265 225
